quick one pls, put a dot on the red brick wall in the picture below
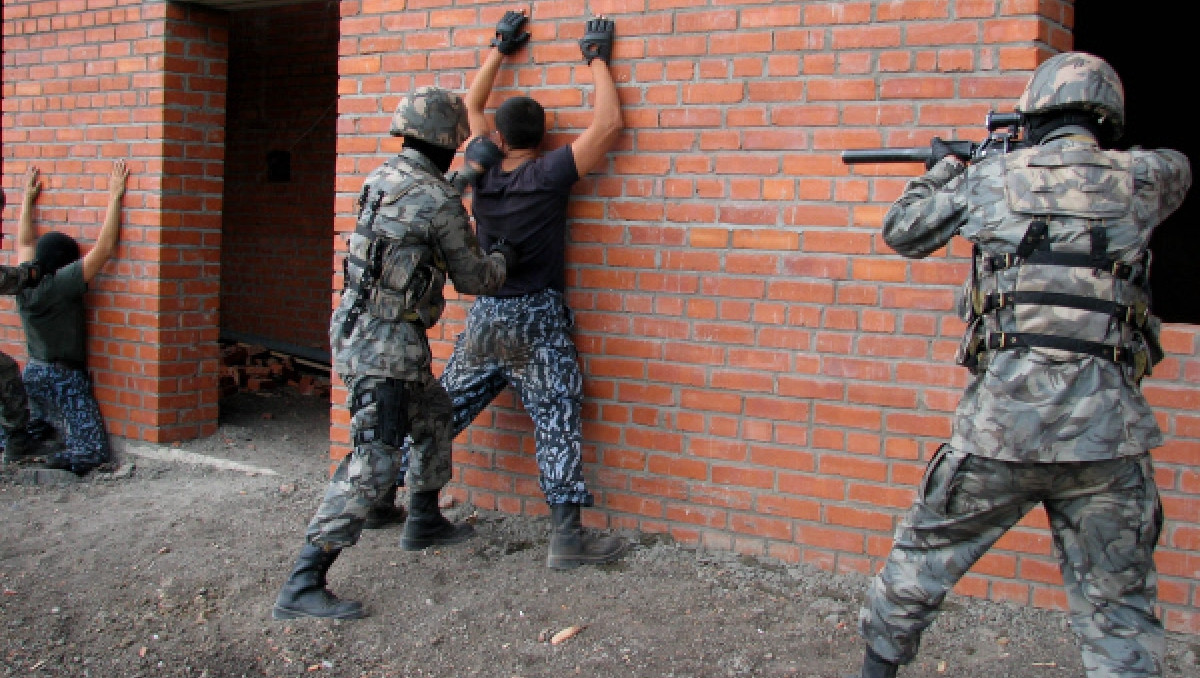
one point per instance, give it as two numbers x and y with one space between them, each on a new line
278 236
85 86
763 373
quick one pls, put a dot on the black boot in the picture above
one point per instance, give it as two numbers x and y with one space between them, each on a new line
386 513
19 445
875 666
304 593
570 547
426 526
80 466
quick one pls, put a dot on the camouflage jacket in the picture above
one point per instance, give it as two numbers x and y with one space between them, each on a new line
13 279
428 218
1028 404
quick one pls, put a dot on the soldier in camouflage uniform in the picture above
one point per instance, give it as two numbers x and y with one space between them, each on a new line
14 403
412 232
1059 336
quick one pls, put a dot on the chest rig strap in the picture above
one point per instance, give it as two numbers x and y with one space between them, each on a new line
1034 249
1097 259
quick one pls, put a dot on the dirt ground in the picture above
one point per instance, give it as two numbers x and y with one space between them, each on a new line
169 567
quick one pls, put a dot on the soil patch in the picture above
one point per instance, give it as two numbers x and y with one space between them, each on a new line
169 567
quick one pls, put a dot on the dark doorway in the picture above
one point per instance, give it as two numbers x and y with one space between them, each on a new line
1151 52
280 177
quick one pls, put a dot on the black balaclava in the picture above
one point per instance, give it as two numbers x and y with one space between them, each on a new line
55 250
440 157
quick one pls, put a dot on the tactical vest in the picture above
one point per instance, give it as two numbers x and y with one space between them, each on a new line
1061 293
393 265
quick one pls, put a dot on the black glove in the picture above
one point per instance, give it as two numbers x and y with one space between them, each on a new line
939 149
506 250
481 151
30 274
597 40
509 37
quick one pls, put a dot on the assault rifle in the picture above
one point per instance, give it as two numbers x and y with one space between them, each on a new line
1004 134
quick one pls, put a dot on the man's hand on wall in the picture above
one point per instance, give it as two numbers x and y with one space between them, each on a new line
509 36
597 40
33 185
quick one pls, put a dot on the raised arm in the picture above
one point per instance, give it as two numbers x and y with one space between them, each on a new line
106 244
509 38
481 152
929 213
26 236
595 141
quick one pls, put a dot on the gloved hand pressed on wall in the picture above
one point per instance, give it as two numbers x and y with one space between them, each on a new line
597 40
509 36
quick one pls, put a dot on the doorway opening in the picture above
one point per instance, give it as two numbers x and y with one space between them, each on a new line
280 175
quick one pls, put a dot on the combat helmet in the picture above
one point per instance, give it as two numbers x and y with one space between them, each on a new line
433 115
1080 81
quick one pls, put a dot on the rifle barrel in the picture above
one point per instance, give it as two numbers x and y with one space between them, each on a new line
886 155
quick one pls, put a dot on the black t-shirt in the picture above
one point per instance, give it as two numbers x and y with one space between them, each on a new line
528 207
53 315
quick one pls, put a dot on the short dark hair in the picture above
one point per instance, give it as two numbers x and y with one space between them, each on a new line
522 122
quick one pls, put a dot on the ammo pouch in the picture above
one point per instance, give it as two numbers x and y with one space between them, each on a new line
971 346
390 398
410 286
397 276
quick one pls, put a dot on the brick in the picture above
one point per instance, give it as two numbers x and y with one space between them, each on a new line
736 307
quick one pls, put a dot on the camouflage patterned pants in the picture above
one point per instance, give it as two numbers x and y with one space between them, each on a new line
525 341
1105 517
63 396
365 474
14 404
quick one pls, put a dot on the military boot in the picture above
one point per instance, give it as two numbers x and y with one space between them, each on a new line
875 666
386 513
426 526
304 594
570 547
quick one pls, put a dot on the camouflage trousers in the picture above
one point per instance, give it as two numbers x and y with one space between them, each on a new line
423 411
14 404
63 396
1105 517
525 341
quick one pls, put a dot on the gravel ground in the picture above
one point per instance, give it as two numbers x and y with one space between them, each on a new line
170 565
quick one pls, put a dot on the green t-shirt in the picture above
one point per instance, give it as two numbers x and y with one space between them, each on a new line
52 314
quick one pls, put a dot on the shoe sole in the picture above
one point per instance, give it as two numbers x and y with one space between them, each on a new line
283 614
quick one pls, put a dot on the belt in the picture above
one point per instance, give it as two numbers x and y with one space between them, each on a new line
63 363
